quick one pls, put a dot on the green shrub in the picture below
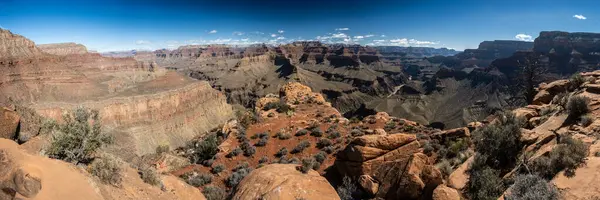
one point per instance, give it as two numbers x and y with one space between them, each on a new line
149 175
568 155
445 167
484 184
334 134
282 152
248 149
301 132
390 125
77 140
217 169
301 146
307 164
262 142
108 169
577 106
323 142
320 157
283 135
532 187
316 131
214 193
234 179
234 152
586 120
576 81
242 165
347 188
264 159
499 142
163 148
455 147
204 150
199 180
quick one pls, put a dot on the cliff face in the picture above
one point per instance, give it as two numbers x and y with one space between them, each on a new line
63 48
14 46
488 51
141 104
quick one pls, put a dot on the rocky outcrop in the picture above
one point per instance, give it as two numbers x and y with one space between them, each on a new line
284 181
394 162
488 51
13 46
9 122
546 92
443 192
62 49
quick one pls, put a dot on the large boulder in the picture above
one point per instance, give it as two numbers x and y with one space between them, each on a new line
393 163
284 181
297 93
548 91
9 121
459 178
443 192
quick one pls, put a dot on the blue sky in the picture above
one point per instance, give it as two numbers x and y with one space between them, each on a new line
111 25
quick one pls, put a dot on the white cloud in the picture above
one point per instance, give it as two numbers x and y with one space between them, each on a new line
213 31
524 37
273 35
339 35
140 42
411 42
378 41
359 37
368 36
581 17
280 38
382 35
342 29
238 33
245 40
280 31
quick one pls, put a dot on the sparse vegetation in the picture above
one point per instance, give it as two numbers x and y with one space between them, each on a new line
214 193
283 135
301 146
217 169
484 184
301 132
77 140
246 117
578 106
262 142
532 187
390 125
568 155
323 142
199 180
586 120
234 179
316 131
320 157
234 152
248 149
108 169
347 188
203 150
264 159
445 167
149 175
576 81
163 148
328 149
280 106
356 132
499 142
332 133
307 164
282 152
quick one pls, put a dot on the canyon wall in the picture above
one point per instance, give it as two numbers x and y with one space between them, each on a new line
62 49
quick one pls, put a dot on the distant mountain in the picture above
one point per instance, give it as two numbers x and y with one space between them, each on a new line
418 52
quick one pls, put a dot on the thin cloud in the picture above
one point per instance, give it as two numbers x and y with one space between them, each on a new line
339 35
342 29
280 31
238 33
359 37
581 17
524 37
273 35
139 42
213 31
368 36
280 38
382 35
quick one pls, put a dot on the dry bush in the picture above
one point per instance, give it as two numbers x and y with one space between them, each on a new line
108 169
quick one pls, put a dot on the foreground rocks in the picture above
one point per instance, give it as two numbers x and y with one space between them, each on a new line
284 181
9 121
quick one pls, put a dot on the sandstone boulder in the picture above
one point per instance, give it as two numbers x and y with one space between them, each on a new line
368 184
297 93
525 113
9 121
548 91
284 181
528 136
452 133
443 192
459 178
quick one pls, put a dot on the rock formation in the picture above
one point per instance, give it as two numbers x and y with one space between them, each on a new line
63 49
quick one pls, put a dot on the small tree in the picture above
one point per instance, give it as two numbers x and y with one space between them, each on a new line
500 142
79 137
531 72
577 106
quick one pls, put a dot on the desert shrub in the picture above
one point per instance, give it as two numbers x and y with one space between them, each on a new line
333 134
328 149
597 154
149 175
455 147
301 146
307 164
242 165
108 169
262 142
577 106
320 157
294 160
204 150
316 166
264 159
248 149
199 180
217 169
247 117
484 184
576 81
499 142
323 142
347 188
445 167
282 152
356 133
234 152
316 131
281 107
301 132
568 155
561 99
427 147
214 193
235 178
163 148
531 187
390 125
77 140
586 120
283 135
